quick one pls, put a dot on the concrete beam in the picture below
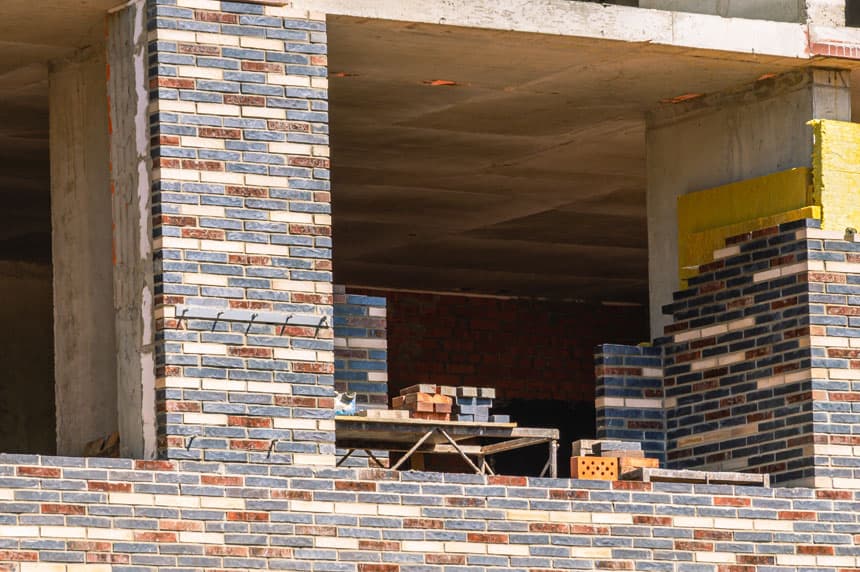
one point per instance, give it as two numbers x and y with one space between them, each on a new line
84 356
588 20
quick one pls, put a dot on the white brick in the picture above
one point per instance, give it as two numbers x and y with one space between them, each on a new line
295 355
611 518
265 181
319 82
465 547
217 39
200 72
293 80
184 501
313 460
222 245
265 387
201 537
201 142
209 349
217 109
175 105
362 508
275 249
267 112
19 531
224 503
290 148
336 542
202 210
130 498
222 177
205 279
175 35
312 506
286 216
224 385
399 510
425 546
261 43
176 242
726 252
214 5
109 534
204 419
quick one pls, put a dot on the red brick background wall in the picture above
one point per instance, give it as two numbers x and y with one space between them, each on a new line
526 349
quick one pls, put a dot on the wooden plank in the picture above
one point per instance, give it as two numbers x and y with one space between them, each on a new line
345 419
689 476
512 444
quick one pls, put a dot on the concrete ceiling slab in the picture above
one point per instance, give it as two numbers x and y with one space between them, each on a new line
521 173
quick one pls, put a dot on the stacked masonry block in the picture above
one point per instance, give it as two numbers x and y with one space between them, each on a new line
360 348
426 401
240 193
120 515
629 396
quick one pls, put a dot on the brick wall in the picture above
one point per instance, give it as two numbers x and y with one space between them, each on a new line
834 317
360 348
737 383
242 248
629 396
59 514
526 349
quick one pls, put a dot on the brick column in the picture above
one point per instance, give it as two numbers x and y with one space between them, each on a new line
242 248
629 396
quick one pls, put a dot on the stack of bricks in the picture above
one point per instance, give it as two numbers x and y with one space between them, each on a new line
360 348
608 460
474 404
426 401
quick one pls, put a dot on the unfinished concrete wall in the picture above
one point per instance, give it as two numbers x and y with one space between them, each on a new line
133 281
84 357
722 138
27 422
777 10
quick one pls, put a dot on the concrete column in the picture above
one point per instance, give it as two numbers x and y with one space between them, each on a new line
722 138
133 278
84 353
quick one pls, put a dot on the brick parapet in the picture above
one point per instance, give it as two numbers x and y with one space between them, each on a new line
126 515
629 396
241 222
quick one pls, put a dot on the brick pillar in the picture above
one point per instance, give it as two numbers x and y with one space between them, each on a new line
629 396
241 224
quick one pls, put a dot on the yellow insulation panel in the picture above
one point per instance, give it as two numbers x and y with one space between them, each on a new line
699 247
706 218
836 168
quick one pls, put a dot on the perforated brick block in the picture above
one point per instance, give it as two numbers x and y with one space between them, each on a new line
594 468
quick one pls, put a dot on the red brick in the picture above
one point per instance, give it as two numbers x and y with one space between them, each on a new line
43 472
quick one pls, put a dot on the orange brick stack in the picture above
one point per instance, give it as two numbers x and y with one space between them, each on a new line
426 401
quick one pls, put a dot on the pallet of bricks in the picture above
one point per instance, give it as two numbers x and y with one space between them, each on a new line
607 460
448 403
